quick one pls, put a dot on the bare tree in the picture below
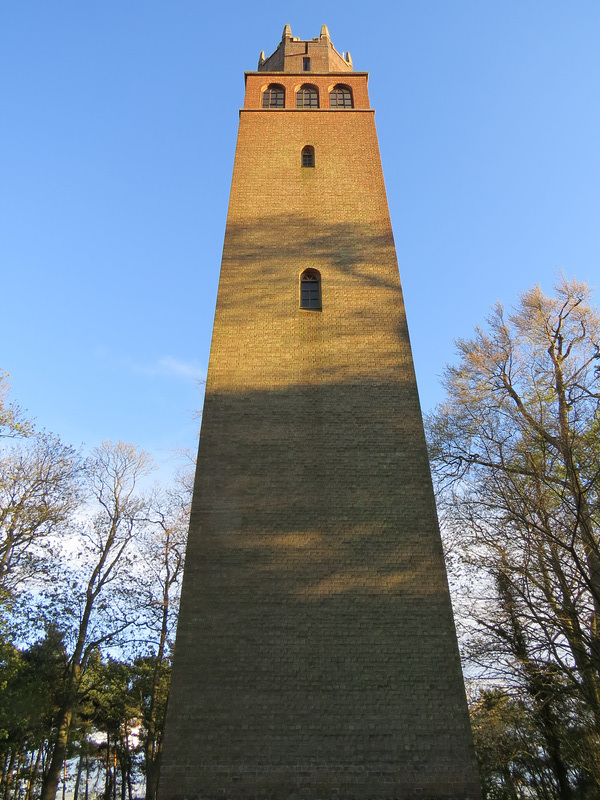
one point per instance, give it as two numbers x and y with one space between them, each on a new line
163 553
516 454
12 421
92 596
39 489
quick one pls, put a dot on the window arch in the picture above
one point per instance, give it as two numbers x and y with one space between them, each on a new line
341 97
308 156
307 96
310 290
273 96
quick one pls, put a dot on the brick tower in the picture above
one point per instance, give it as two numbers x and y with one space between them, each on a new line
316 654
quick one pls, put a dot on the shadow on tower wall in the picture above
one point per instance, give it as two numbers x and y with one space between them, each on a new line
316 647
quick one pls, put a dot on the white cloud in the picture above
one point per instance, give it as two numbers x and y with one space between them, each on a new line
166 366
171 367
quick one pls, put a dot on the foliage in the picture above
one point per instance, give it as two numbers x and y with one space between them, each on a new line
39 490
12 421
516 453
90 570
163 551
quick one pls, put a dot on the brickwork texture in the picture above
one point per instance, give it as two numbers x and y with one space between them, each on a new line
316 655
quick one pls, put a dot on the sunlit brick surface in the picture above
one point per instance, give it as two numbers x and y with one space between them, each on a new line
316 655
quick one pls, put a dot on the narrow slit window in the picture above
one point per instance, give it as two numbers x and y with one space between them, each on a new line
307 97
310 290
308 156
341 97
274 96
306 64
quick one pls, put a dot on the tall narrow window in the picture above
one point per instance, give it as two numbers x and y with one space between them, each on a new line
274 96
310 290
308 156
340 97
307 97
306 64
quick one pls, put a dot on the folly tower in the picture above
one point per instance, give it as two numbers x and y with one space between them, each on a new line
316 654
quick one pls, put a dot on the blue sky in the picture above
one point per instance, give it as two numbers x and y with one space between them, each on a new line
119 120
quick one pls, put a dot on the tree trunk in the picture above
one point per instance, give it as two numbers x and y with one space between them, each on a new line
9 775
124 774
151 780
3 764
153 748
33 773
59 754
107 777
17 770
79 771
536 685
125 764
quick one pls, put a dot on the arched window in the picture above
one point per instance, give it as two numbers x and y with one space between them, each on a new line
310 290
307 97
308 156
340 97
274 96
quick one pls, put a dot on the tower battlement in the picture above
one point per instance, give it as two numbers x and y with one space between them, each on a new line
305 55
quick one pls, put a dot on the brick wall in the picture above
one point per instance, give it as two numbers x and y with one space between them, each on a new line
257 82
316 654
291 50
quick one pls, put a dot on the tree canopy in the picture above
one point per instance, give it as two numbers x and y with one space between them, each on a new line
90 568
515 453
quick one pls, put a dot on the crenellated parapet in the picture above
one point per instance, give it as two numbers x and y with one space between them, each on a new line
305 55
